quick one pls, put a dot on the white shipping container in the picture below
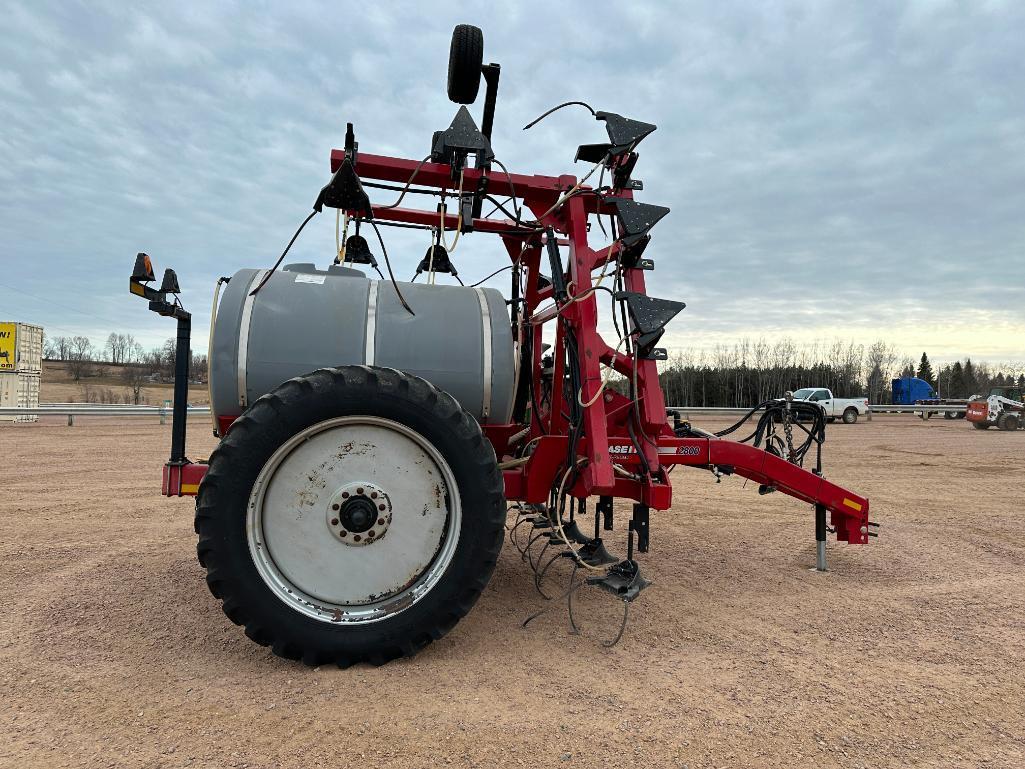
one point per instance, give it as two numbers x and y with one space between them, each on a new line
21 347
19 389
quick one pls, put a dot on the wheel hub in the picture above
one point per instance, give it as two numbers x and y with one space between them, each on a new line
334 475
359 514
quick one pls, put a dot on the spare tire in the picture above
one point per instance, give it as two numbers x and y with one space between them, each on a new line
465 58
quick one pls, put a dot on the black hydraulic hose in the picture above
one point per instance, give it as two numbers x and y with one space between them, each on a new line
489 277
556 108
512 191
764 433
387 263
397 188
499 206
283 253
736 426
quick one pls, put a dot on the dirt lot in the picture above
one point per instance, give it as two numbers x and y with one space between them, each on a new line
910 651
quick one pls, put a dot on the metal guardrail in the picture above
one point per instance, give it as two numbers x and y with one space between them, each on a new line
892 408
72 410
82 409
879 408
709 409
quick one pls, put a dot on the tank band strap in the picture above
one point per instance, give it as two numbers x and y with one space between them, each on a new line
371 344
485 317
243 336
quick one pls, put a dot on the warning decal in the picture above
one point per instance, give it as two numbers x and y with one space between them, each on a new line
8 339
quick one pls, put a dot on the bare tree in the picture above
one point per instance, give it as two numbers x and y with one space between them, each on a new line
119 347
60 348
112 347
198 368
907 366
880 360
80 357
135 373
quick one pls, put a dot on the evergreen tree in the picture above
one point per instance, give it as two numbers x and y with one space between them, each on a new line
1021 381
971 382
875 384
956 385
925 370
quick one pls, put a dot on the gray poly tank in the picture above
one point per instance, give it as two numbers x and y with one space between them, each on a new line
304 319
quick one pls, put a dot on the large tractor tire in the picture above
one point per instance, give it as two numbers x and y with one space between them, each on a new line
850 416
353 514
981 425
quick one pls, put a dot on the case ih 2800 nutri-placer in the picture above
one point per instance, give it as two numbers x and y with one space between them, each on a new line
373 432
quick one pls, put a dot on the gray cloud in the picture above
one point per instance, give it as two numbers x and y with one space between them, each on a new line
850 169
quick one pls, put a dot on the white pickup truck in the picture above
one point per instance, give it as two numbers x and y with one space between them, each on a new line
847 409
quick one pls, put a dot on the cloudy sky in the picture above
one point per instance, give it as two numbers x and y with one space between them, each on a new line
841 169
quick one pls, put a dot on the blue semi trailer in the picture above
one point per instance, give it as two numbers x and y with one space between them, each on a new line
912 391
909 390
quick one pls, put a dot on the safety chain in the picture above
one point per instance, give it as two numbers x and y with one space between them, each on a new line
788 428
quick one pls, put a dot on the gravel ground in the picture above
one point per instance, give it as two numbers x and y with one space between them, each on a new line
909 652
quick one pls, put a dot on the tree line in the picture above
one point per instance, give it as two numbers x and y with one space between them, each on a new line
749 372
738 375
138 365
965 379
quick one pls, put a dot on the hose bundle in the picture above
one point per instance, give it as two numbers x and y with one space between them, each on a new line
780 415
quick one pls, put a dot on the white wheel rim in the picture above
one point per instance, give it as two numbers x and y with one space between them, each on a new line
306 496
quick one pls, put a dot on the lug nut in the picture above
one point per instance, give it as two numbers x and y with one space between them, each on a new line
380 507
342 533
334 521
357 538
380 521
359 490
334 506
373 495
371 534
345 495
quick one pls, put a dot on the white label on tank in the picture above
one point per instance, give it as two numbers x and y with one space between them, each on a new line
305 278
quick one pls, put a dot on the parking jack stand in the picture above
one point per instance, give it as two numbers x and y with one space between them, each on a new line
820 538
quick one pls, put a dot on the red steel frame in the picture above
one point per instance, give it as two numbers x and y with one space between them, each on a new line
605 420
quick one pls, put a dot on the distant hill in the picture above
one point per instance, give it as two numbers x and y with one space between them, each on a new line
106 384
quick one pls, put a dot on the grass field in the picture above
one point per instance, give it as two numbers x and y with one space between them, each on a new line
57 386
